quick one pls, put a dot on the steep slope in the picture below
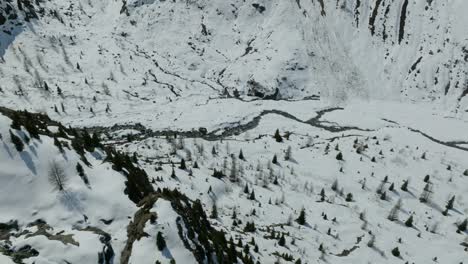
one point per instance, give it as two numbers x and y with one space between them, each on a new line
109 54
65 199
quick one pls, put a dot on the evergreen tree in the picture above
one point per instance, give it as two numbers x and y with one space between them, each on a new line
427 178
450 203
17 142
58 144
160 241
393 215
241 155
339 156
334 186
195 165
81 173
252 195
246 189
288 154
383 196
349 197
213 151
409 221
278 137
214 212
182 165
396 252
322 195
173 175
462 226
275 160
404 187
302 217
282 241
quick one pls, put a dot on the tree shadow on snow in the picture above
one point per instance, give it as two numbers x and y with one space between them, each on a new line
7 149
70 201
26 157
167 253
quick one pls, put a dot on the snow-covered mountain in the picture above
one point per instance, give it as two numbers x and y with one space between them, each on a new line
233 131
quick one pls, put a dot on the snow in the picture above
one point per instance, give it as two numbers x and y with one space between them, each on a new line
145 250
166 66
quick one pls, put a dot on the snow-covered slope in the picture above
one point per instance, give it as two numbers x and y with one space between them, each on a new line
154 52
174 91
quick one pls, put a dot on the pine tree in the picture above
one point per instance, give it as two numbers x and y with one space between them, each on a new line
213 151
182 165
393 215
278 137
396 252
195 165
214 212
246 189
288 154
339 156
322 195
409 221
17 142
404 187
302 217
58 144
173 175
81 173
275 160
349 197
241 155
160 241
383 196
450 203
282 241
252 195
334 186
427 178
462 226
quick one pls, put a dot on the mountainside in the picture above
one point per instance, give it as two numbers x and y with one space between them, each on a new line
155 51
239 131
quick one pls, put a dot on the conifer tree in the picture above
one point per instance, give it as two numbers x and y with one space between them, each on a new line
214 212
404 187
278 137
160 241
450 203
339 156
322 195
302 217
409 221
275 160
252 195
282 241
182 165
241 155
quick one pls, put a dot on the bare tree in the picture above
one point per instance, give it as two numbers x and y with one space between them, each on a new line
57 177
